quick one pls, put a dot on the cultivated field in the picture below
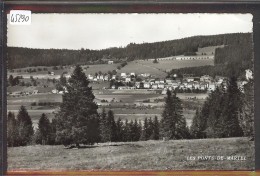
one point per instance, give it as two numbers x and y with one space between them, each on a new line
121 104
142 155
168 65
138 68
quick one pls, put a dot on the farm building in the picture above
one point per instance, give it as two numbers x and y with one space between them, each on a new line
123 75
110 62
147 85
196 57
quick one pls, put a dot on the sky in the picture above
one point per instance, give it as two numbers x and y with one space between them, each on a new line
100 31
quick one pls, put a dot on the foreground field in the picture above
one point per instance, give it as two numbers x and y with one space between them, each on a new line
148 155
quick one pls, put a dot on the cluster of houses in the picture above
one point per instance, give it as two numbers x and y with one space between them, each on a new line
205 82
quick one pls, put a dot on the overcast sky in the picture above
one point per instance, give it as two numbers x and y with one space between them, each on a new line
99 31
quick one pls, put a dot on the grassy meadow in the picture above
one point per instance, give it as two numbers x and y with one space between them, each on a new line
168 65
141 155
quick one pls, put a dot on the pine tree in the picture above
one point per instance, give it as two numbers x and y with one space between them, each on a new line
111 125
145 133
216 101
104 130
131 132
119 130
150 130
173 124
25 128
155 135
168 120
52 139
229 121
246 117
194 129
137 133
44 128
12 132
77 120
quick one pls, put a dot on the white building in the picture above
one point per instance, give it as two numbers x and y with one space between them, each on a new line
212 87
128 79
123 75
160 86
147 85
110 62
195 57
155 86
91 77
132 74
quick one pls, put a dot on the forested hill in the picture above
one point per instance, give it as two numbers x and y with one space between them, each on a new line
22 57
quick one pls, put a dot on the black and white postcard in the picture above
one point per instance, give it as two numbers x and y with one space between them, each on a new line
130 91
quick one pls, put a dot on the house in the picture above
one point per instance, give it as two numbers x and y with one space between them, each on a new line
189 79
203 86
164 92
123 75
220 79
106 77
55 91
189 85
168 87
132 74
110 62
101 77
147 85
128 79
35 92
169 80
196 85
161 86
162 81
52 73
185 83
16 93
182 86
157 81
137 85
67 76
113 77
90 77
155 86
123 87
146 74
211 87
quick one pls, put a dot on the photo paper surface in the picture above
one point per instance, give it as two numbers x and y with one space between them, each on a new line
129 91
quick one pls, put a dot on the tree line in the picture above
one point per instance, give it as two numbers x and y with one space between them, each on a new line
226 113
24 57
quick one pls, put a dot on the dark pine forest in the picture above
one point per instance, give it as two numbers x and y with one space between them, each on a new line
236 53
